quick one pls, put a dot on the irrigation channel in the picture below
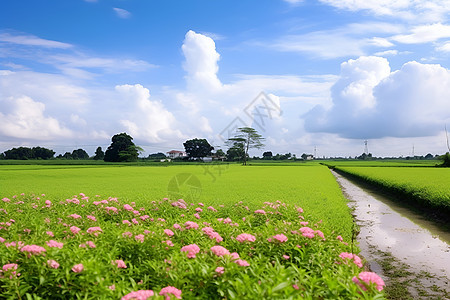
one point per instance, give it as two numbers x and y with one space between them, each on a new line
411 254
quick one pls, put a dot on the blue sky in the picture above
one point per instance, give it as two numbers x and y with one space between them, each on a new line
334 73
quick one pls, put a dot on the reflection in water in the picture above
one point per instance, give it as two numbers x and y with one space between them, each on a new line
390 228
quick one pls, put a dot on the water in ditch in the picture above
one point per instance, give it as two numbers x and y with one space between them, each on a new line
386 227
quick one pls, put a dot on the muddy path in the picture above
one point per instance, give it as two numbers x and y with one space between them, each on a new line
410 253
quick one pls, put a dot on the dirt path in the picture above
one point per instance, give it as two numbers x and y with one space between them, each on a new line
410 253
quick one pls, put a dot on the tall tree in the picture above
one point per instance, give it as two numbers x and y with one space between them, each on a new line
122 148
249 137
99 154
80 154
197 148
236 152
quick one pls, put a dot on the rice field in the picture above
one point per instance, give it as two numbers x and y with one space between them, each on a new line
429 187
191 232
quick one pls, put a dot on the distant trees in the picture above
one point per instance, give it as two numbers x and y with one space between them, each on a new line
121 149
99 154
197 148
24 153
158 155
267 155
249 137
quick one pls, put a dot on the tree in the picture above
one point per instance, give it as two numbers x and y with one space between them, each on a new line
99 154
42 153
197 148
29 153
80 154
220 153
250 138
158 155
236 152
267 155
122 148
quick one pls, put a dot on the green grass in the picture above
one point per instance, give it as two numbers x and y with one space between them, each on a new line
302 267
312 187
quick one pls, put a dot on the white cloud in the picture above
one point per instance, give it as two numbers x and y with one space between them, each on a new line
122 13
387 53
201 61
145 119
349 40
370 101
418 11
31 40
24 118
444 48
424 34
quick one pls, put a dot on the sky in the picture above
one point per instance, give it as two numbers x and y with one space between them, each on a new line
311 76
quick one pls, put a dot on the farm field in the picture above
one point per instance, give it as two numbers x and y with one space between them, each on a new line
428 187
240 232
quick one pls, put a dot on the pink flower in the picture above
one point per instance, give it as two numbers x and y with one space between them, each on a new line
127 234
78 268
303 223
120 264
55 244
33 249
94 230
53 264
168 232
295 286
220 251
139 295
75 229
126 222
170 290
9 267
191 250
191 225
2 240
220 270
212 208
368 278
286 257
140 238
339 238
245 237
280 238
91 244
242 263
50 233
234 255
260 211
356 258
198 209
307 232
75 216
177 226
92 218
197 216
127 207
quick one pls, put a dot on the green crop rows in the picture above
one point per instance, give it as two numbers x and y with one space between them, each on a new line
429 187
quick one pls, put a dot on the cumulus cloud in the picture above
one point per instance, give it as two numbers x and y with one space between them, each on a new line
370 101
201 61
24 118
146 119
